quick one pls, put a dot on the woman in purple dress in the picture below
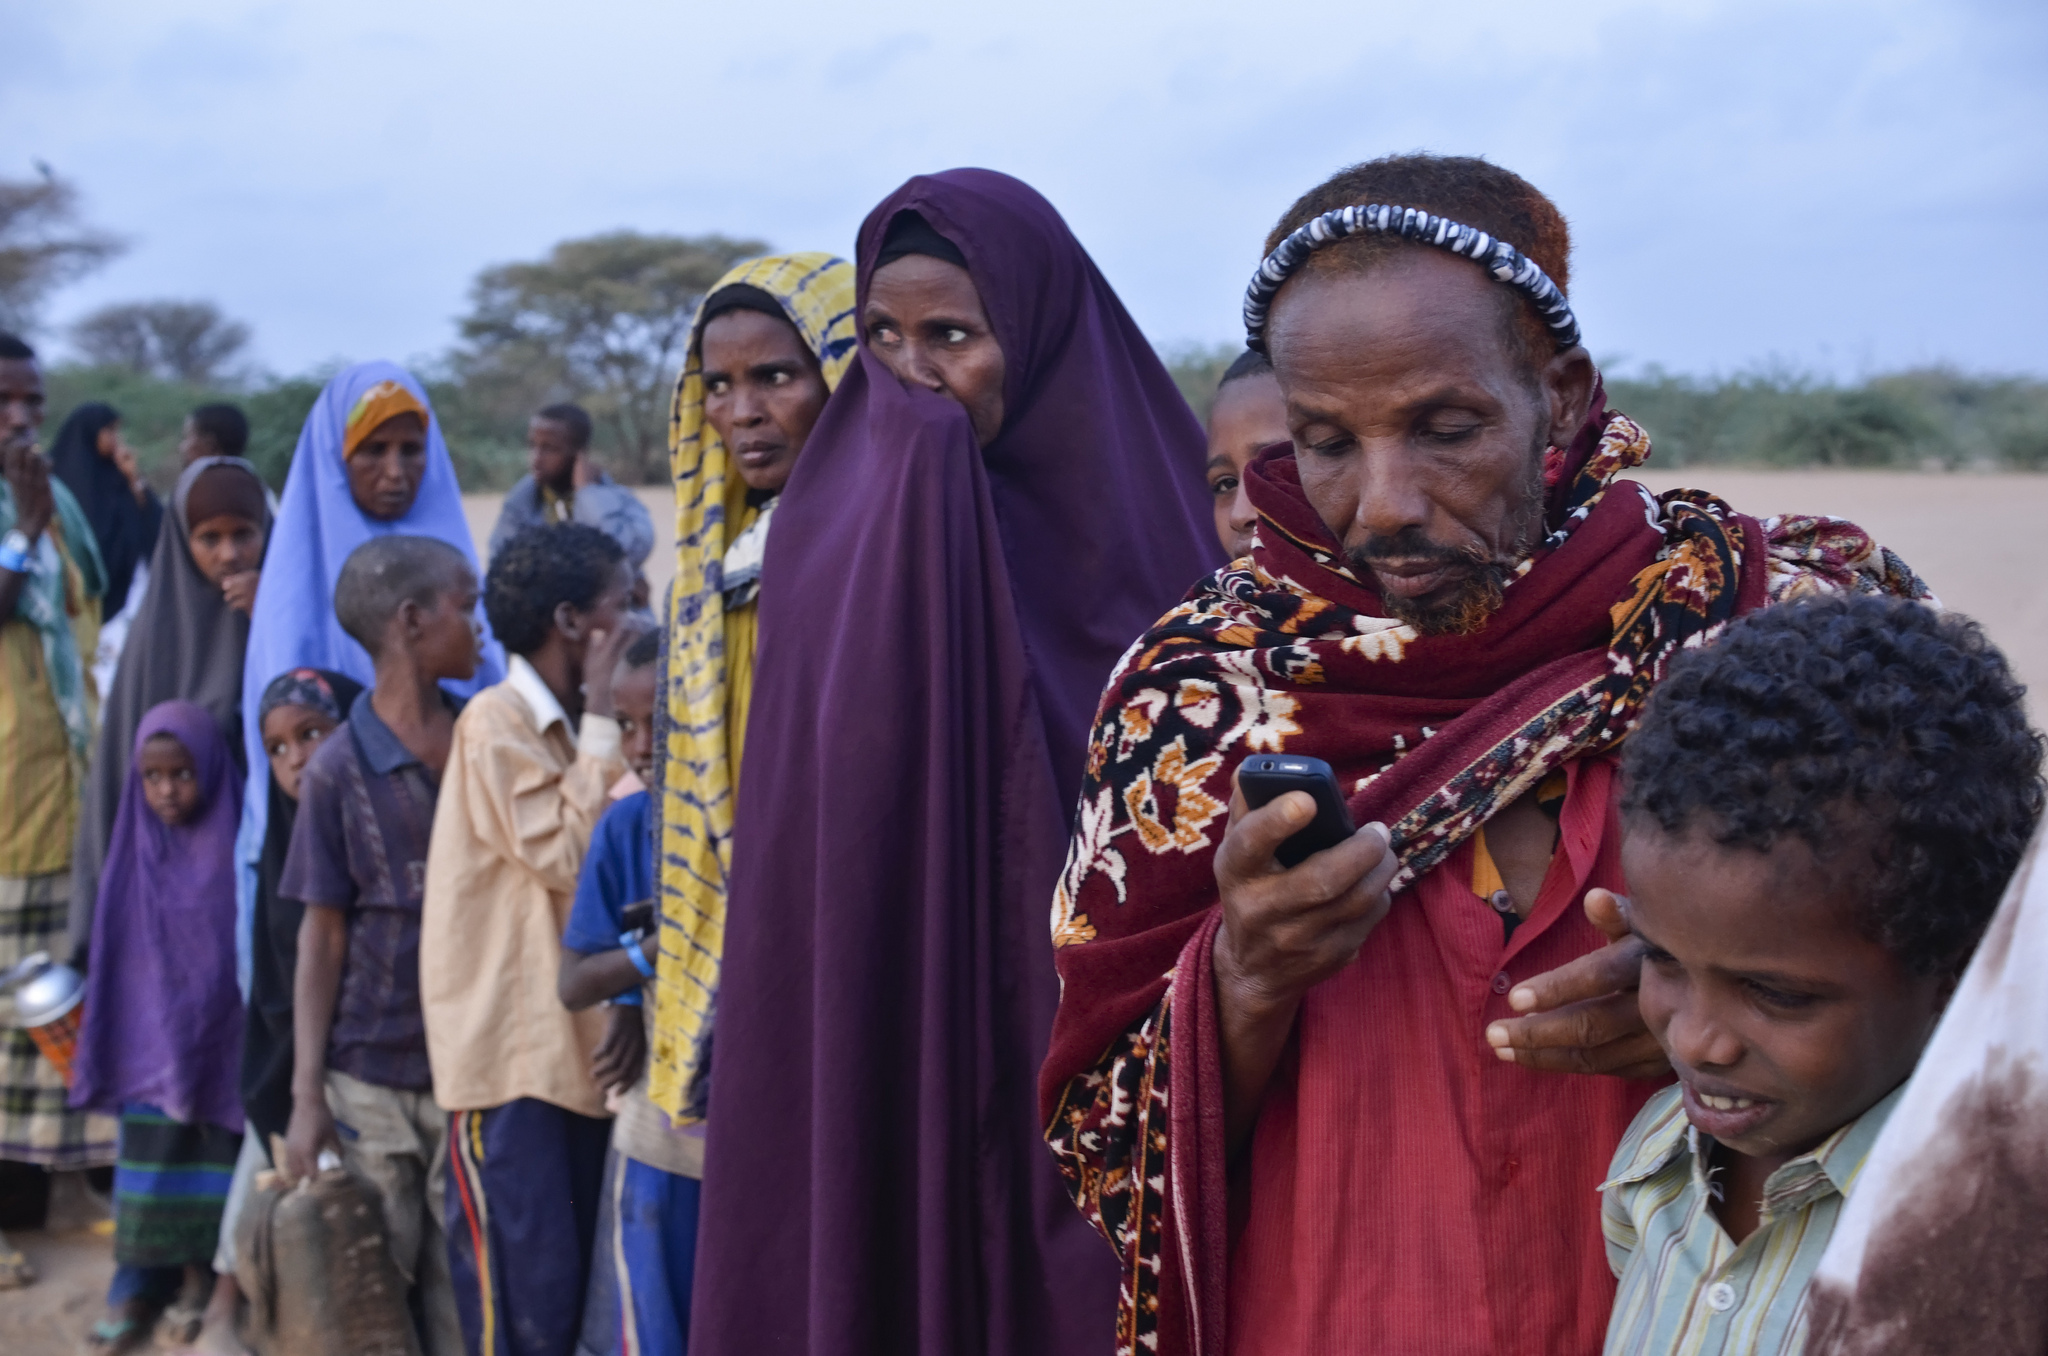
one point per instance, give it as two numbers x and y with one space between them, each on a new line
1004 490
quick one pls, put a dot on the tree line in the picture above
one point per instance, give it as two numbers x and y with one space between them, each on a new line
603 320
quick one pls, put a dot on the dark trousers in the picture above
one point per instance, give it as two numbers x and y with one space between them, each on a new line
524 1180
639 1301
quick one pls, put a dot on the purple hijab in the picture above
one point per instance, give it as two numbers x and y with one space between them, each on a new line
163 1014
937 625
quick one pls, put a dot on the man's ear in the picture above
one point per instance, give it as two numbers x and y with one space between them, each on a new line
1568 384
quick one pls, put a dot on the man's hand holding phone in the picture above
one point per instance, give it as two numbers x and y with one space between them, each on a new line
1285 930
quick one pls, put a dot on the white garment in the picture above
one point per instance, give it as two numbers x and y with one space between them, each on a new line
114 633
1941 1246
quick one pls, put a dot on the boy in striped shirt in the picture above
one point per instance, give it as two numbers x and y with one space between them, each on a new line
1821 812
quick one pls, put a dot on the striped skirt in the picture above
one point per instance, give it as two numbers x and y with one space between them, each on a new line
36 1126
170 1187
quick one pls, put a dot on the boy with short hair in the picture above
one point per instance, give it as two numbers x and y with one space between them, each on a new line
528 775
361 1081
1821 812
639 1295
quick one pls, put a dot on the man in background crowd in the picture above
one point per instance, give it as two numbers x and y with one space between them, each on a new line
213 431
564 485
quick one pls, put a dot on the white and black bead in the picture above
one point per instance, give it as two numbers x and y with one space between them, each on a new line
1506 263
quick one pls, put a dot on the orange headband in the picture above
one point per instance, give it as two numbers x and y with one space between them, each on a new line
385 400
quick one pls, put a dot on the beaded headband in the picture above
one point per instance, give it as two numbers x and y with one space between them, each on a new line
1497 257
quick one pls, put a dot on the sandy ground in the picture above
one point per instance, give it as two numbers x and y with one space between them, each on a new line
50 1318
1967 535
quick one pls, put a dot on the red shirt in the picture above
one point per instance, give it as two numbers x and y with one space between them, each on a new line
1407 1190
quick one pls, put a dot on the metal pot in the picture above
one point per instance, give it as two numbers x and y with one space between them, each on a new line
46 998
43 990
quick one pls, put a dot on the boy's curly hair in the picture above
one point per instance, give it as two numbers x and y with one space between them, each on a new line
1862 722
541 568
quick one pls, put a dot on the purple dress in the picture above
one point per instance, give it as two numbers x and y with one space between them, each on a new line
163 1014
937 627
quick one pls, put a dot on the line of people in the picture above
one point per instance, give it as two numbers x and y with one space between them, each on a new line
455 877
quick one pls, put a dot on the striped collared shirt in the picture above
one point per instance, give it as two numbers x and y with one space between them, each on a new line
1685 1286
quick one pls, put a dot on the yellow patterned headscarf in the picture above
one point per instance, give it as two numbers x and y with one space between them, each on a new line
710 677
385 400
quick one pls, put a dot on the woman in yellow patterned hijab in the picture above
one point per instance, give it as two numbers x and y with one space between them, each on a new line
770 343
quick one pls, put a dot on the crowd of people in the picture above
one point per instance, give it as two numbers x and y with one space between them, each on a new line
1675 831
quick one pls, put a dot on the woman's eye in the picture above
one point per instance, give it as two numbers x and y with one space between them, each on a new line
1449 433
1223 485
956 335
882 334
718 387
778 379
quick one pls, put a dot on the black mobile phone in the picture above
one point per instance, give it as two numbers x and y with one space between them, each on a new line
1266 776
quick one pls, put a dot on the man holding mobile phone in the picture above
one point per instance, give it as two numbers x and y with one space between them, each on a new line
1363 1103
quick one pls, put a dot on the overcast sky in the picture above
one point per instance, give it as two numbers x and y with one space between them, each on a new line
1844 187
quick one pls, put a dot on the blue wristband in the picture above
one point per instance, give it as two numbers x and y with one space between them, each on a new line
17 553
629 999
631 941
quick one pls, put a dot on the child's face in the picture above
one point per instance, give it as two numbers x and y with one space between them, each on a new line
226 545
449 640
1764 991
170 779
385 470
290 734
633 697
1249 414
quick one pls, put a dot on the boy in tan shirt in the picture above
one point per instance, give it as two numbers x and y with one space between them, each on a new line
526 781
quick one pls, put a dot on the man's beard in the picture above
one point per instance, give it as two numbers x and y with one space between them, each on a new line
1479 591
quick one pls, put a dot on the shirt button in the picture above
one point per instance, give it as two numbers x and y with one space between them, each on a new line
1501 982
1720 1297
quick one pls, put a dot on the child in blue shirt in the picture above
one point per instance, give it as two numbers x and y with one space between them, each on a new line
647 1222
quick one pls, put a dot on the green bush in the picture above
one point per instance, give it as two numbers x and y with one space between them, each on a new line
1914 420
1924 418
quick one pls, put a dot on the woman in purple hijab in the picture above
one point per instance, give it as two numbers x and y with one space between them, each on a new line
1004 491
161 1042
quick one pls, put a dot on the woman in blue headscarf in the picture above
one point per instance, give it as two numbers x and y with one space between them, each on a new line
370 460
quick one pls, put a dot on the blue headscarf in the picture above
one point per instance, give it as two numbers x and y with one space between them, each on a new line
293 625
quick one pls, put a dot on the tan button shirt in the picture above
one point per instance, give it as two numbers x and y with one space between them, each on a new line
518 802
